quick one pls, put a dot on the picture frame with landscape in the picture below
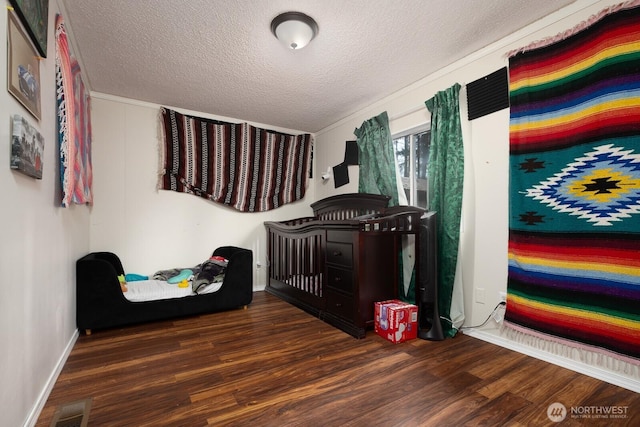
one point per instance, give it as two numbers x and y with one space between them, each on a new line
34 15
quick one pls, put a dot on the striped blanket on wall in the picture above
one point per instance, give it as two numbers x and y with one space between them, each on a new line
239 165
574 243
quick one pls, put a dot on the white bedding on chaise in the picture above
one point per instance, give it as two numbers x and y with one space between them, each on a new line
152 290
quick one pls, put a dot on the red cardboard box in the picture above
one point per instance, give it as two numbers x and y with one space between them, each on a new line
396 320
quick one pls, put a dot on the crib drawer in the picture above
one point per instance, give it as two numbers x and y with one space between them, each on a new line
340 304
340 279
340 253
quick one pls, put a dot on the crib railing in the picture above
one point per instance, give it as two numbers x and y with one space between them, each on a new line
345 214
399 219
297 259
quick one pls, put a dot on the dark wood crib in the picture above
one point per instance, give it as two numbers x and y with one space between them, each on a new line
340 261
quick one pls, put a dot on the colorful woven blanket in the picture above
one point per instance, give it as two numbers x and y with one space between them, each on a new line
239 165
74 124
574 245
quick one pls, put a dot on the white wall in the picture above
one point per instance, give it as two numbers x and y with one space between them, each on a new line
483 250
39 244
154 229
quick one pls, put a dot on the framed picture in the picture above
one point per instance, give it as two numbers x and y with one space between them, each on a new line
27 148
23 68
34 15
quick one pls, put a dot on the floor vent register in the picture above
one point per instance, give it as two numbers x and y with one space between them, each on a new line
75 414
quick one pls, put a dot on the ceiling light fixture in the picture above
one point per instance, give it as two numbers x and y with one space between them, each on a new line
294 29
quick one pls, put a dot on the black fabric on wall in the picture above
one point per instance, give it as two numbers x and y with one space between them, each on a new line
488 94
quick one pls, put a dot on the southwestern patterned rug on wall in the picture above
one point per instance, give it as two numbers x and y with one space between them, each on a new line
574 222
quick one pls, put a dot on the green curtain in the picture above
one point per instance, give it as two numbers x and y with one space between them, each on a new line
446 173
376 159
378 176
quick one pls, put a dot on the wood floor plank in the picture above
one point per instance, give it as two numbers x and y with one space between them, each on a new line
495 411
528 371
275 365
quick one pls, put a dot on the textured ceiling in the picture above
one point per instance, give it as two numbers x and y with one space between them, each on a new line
219 56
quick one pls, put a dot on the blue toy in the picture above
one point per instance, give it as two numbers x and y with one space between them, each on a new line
135 277
184 275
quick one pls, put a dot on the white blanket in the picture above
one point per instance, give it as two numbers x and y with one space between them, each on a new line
152 290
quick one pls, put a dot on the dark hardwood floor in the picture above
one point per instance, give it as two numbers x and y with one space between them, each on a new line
274 365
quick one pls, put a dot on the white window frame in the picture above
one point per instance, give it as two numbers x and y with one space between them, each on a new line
413 191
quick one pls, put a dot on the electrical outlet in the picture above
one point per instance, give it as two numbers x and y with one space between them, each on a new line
503 296
480 296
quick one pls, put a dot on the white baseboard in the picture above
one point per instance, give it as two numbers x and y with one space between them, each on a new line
494 337
32 419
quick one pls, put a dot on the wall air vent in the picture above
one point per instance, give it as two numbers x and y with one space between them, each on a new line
488 94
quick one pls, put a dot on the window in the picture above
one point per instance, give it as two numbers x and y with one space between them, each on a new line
412 154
